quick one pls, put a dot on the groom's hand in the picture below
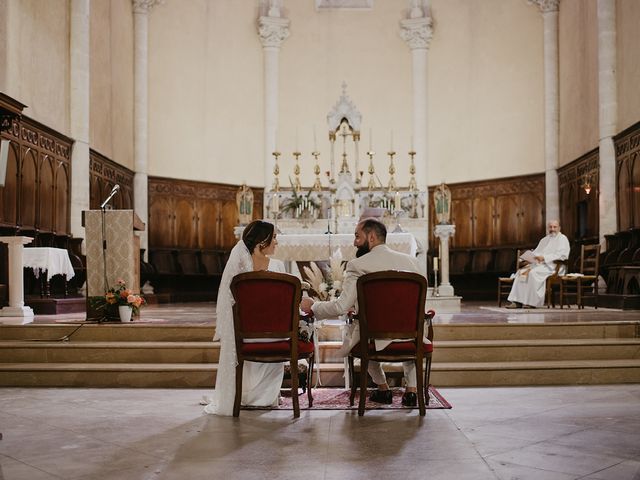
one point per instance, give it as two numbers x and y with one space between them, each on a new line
305 305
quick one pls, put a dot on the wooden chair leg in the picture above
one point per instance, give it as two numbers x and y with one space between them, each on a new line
238 398
364 364
310 379
352 378
420 389
294 387
427 379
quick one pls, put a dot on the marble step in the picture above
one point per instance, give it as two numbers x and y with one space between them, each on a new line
448 374
109 332
137 332
109 352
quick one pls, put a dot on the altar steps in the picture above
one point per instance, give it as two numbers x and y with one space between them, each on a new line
156 355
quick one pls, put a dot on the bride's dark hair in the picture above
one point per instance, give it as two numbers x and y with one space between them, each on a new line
257 233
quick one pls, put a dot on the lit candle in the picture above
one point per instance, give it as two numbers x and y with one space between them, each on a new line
435 263
398 202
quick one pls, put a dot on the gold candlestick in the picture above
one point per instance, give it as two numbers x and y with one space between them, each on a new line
296 171
317 186
276 172
392 170
413 186
371 170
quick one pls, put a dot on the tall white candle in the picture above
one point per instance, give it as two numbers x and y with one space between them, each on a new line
391 142
398 202
371 140
315 141
435 263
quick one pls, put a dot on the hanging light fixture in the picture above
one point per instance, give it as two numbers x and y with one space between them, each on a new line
586 185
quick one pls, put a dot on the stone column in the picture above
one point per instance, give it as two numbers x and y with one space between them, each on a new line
443 232
272 30
549 9
141 9
79 112
417 31
16 306
608 116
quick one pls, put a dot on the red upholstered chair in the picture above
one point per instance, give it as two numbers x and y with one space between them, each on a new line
267 307
391 305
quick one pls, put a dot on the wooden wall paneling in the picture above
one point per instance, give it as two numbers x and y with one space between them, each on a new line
568 212
208 212
627 145
186 228
61 225
507 219
462 217
228 223
161 222
483 221
45 195
9 193
28 194
635 188
104 173
531 219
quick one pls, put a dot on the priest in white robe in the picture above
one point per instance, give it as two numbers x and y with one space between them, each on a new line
529 285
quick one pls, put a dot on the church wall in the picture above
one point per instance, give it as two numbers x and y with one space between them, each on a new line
486 90
111 91
206 89
37 56
628 62
578 72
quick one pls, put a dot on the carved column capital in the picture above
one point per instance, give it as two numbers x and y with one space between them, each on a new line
546 6
273 31
145 6
417 32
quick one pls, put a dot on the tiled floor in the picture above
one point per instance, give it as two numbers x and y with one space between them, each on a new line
491 433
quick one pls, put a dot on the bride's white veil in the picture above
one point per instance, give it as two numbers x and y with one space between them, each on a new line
222 402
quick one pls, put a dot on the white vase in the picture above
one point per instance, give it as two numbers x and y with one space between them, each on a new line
125 312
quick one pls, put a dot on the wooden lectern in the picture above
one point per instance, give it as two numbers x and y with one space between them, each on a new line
119 249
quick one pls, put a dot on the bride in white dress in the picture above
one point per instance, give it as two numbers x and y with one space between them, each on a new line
261 382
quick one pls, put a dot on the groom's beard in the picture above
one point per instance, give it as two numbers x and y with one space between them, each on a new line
363 250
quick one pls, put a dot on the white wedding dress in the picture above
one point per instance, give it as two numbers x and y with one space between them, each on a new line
261 382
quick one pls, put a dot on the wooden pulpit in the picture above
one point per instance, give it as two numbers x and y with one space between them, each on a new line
111 241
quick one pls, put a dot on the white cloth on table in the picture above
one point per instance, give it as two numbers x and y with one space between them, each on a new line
54 260
530 288
261 382
311 247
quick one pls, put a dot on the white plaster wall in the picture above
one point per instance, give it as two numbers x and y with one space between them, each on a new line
37 58
628 69
111 91
578 40
206 87
486 90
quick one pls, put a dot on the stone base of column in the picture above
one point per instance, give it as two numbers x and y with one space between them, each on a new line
21 315
443 303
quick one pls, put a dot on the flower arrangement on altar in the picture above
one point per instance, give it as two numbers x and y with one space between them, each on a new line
326 287
122 296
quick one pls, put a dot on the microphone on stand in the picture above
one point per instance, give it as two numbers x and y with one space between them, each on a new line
114 190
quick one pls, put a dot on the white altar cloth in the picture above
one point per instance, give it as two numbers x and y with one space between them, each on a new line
54 260
321 246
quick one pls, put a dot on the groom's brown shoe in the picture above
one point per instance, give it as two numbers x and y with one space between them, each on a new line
382 396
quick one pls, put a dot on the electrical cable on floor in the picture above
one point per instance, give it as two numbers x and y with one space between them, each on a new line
64 338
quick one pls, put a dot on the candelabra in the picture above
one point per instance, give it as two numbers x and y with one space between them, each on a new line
317 186
296 172
436 293
372 171
392 170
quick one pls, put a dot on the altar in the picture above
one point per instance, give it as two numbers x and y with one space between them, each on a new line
322 246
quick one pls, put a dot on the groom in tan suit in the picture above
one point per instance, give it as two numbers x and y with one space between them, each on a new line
373 255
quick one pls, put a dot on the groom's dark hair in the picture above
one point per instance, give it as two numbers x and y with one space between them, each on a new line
376 226
257 233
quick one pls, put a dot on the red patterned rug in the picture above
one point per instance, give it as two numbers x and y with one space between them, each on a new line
338 399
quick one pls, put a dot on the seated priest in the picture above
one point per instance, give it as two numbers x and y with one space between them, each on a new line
373 255
529 285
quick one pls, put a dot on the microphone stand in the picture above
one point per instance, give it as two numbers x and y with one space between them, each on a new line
103 208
